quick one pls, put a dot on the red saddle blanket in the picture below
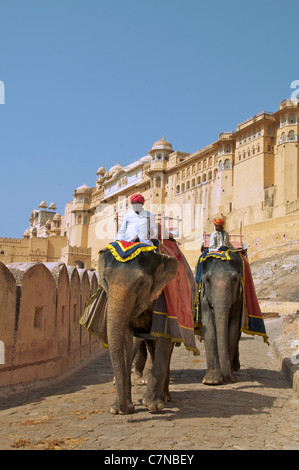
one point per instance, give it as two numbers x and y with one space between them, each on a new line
172 313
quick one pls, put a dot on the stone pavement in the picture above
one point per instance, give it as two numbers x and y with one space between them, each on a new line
259 411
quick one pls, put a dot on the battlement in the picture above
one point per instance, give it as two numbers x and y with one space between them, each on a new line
39 325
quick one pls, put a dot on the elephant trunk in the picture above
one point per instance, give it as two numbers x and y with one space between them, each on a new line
221 316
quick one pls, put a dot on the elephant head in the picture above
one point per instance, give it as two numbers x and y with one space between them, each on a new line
131 289
221 310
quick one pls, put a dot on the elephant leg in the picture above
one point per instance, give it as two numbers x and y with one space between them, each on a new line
157 393
234 335
122 363
140 356
213 374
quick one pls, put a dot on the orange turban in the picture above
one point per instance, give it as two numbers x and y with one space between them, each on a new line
137 198
219 221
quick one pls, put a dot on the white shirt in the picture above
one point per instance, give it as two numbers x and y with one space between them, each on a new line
219 239
140 226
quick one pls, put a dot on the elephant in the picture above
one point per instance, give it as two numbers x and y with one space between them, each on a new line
221 306
131 288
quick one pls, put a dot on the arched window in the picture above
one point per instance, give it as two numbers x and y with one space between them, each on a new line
220 165
283 120
227 164
283 137
291 135
193 182
253 150
292 118
227 148
248 153
158 182
188 185
198 180
209 175
178 189
204 178
258 149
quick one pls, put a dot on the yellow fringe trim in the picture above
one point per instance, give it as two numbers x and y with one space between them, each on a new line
176 340
212 254
133 255
175 318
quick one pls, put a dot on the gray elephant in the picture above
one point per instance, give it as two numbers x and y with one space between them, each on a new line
221 301
131 289
223 313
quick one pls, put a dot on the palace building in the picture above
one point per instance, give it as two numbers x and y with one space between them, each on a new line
248 176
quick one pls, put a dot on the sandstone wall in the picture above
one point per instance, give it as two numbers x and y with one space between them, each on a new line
40 308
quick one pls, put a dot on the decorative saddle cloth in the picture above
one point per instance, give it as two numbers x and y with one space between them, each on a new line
124 251
252 318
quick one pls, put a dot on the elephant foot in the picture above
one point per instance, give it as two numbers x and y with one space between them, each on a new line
115 409
213 378
230 379
156 404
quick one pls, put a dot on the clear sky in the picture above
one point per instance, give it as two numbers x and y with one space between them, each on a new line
92 82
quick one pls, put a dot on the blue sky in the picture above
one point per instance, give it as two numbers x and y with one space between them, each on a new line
93 82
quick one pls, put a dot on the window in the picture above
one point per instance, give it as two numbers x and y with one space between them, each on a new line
227 148
178 189
292 118
283 137
291 135
227 164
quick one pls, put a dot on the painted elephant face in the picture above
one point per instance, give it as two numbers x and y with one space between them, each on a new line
139 281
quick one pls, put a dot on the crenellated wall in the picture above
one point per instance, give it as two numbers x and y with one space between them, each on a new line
40 308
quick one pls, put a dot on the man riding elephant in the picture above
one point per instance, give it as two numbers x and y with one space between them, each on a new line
138 225
143 286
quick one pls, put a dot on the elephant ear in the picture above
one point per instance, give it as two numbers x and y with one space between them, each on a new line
165 271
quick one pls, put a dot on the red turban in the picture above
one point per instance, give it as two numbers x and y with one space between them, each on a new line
219 221
137 198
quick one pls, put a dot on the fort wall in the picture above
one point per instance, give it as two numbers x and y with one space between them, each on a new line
40 308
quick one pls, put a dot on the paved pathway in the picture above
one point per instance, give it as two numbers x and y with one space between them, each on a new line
259 411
